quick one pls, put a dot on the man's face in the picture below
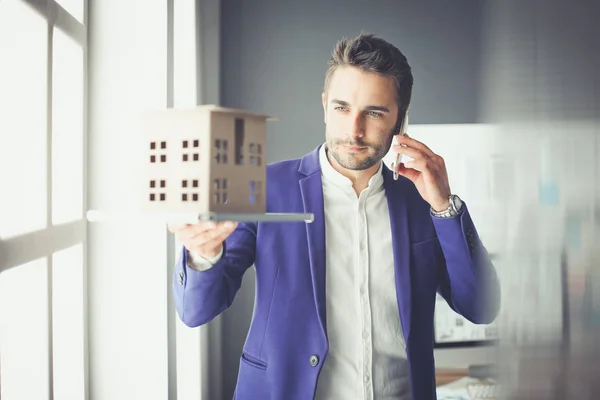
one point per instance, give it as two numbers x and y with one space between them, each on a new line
361 115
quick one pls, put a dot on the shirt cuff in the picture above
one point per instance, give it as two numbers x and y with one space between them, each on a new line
199 263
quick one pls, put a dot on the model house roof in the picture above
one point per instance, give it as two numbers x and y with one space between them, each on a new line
210 108
213 107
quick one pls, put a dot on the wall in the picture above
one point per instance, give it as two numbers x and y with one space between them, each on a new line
274 56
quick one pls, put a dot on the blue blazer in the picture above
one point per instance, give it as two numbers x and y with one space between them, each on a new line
287 343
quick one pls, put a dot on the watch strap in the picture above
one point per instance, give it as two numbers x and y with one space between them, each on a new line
453 209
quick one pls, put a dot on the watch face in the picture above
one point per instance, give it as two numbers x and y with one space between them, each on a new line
456 202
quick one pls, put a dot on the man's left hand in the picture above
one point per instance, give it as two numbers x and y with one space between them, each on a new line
427 171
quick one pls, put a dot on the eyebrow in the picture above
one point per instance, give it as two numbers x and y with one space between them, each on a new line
368 108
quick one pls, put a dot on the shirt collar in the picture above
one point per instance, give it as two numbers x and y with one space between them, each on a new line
331 175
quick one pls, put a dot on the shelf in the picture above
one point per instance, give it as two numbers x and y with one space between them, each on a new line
191 218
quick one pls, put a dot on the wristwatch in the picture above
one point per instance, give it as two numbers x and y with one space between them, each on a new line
456 205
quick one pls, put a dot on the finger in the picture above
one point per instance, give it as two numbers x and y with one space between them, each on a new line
409 151
207 242
231 225
211 233
410 142
218 227
176 228
419 165
215 243
194 230
409 173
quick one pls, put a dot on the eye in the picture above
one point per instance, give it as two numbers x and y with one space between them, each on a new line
340 108
375 114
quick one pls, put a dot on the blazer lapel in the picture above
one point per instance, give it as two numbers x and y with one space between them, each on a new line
311 189
398 210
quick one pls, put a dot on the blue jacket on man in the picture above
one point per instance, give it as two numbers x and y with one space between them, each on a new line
287 341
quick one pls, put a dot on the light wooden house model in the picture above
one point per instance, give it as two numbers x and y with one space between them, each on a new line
208 159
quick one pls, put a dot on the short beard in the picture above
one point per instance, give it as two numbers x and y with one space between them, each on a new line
379 149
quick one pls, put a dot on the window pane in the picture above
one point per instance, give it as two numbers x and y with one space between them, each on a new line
24 332
67 323
73 7
67 129
23 104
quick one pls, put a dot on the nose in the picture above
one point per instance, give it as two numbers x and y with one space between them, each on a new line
356 126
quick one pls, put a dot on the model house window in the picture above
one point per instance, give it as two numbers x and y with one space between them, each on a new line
158 152
189 197
255 192
186 195
239 141
220 151
190 153
220 186
255 150
157 192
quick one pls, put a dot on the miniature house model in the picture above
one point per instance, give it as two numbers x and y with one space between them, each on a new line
208 159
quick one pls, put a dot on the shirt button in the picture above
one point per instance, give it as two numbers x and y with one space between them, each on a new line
366 378
314 360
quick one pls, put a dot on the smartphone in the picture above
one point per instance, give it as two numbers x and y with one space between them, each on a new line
403 131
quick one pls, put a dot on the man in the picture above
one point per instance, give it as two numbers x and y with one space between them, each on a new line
344 305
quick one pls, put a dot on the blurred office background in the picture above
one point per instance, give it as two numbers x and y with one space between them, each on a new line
508 91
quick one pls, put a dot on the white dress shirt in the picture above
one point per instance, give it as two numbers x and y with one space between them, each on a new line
367 352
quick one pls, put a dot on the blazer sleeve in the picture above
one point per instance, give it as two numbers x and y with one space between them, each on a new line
200 296
469 282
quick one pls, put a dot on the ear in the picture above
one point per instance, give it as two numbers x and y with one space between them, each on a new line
324 100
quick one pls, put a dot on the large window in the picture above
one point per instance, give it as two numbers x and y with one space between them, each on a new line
42 231
24 105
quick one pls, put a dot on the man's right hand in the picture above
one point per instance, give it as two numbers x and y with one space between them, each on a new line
205 238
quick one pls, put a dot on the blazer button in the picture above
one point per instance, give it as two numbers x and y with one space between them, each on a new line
314 360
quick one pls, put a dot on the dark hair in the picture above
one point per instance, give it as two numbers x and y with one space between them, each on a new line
373 54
